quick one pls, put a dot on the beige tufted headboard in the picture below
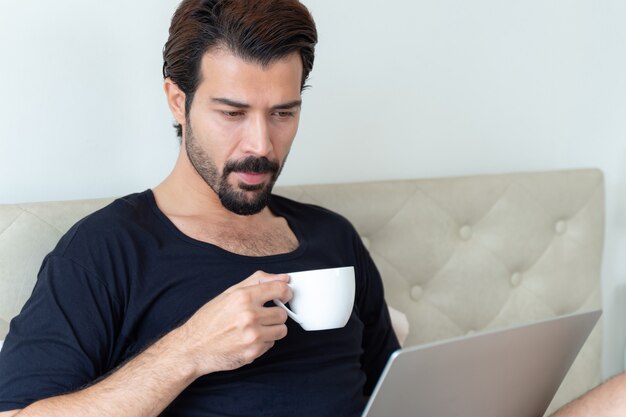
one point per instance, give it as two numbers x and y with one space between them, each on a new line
457 255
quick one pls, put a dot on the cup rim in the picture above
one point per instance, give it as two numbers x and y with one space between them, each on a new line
322 269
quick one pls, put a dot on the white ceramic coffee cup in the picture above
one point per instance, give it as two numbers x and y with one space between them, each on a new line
322 298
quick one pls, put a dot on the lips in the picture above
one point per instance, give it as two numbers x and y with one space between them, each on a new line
252 172
252 177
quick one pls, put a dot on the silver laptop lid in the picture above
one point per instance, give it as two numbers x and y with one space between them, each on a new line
513 372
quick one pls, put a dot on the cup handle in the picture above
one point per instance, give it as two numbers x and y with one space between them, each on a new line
290 313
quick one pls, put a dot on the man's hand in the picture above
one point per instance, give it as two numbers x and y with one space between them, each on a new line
229 331
235 328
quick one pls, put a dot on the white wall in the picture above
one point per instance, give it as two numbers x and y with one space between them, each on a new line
409 89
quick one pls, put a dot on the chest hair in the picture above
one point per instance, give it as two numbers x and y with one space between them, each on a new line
273 238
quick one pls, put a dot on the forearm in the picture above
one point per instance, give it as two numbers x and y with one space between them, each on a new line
144 387
606 400
228 332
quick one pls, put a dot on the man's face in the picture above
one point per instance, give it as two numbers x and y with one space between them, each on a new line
241 125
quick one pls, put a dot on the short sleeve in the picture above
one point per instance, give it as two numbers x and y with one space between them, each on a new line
379 339
62 339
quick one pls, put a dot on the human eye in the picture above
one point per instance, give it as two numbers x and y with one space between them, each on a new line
284 114
232 114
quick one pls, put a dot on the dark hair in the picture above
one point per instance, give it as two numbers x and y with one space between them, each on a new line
257 30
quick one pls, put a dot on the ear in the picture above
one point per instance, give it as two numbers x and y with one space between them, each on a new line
176 100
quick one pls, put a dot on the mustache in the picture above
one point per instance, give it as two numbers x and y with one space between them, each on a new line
260 165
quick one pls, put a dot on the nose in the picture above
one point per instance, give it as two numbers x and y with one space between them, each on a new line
257 140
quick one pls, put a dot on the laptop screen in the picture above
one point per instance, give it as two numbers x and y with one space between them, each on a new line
513 372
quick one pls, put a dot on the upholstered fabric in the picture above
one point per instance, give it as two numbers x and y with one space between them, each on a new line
457 255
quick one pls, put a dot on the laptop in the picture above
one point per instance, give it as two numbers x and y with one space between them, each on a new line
513 372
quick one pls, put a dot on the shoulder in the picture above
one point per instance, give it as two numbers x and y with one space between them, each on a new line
122 217
286 205
132 207
312 216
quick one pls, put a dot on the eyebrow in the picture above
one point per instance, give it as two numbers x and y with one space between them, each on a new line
239 105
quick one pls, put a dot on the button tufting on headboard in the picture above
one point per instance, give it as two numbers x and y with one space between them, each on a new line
561 227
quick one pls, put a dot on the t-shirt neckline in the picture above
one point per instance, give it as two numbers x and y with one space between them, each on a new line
275 208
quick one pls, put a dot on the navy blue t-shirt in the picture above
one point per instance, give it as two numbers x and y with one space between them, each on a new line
125 275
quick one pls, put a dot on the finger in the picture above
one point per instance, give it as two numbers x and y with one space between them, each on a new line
273 277
275 332
260 277
257 296
269 291
270 316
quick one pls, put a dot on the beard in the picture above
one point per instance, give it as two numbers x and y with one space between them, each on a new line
244 199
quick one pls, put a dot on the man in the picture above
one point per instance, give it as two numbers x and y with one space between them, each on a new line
158 304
